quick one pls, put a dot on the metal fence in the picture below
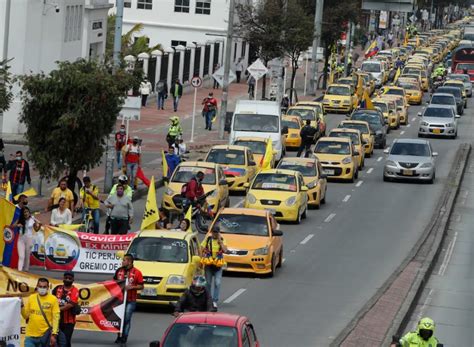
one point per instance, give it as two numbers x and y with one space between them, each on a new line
187 62
207 56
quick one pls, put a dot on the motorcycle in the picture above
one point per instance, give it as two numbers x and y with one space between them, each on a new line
201 212
437 82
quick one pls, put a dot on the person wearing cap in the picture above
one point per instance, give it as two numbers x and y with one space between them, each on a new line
121 211
89 200
209 110
120 142
132 160
196 298
214 246
68 297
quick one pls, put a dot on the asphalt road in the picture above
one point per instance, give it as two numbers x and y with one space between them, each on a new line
334 261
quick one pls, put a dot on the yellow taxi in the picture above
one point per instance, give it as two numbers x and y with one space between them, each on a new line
420 72
412 89
309 112
168 261
393 90
282 192
314 179
253 239
389 111
402 106
367 135
337 157
258 146
318 105
339 98
237 162
357 141
214 180
294 125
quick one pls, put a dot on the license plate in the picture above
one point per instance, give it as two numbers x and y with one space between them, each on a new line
328 171
408 172
149 292
436 131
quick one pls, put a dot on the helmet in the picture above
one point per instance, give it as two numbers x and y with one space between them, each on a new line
198 284
123 179
426 327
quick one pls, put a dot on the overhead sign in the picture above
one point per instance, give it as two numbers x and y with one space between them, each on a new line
131 108
196 81
257 69
219 76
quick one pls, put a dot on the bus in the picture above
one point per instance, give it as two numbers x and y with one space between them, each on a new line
463 59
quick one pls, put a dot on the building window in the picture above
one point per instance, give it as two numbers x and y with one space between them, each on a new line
127 3
203 7
175 43
181 6
97 25
73 23
145 4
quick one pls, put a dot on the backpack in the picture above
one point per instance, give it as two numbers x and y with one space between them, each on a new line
160 86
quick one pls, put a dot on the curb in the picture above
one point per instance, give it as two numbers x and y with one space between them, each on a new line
424 252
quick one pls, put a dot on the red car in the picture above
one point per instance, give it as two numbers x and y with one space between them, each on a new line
206 329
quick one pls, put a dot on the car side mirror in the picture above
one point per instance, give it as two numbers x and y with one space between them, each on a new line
284 130
223 182
246 185
419 114
457 116
277 232
435 154
386 150
120 254
196 259
155 344
304 189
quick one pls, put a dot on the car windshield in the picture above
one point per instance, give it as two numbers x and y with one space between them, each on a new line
438 112
183 174
443 100
332 147
456 92
275 181
406 85
370 67
353 136
160 249
416 149
361 127
290 124
242 224
373 119
383 106
464 78
346 82
465 66
256 123
226 156
307 169
304 114
455 85
201 335
392 91
257 147
338 90
411 70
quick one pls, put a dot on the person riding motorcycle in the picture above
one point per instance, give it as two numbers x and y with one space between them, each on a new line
193 190
174 130
439 71
422 337
196 298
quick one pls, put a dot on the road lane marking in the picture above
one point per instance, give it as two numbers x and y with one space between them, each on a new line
306 239
413 119
408 125
283 260
359 183
428 299
448 255
234 296
402 132
239 204
346 198
379 158
329 218
370 170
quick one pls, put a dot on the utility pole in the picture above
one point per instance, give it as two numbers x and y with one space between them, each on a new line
6 30
225 82
348 48
118 34
318 21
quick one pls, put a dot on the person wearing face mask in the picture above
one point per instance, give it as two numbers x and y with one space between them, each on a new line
132 160
145 90
19 173
42 313
68 296
196 298
121 211
26 224
422 337
120 141
22 201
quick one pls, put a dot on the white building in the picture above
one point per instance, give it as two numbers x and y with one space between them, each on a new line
45 31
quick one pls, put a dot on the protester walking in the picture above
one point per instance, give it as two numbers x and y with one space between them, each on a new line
120 142
19 173
62 191
251 83
26 225
239 66
176 92
121 214
213 249
89 200
161 90
209 110
68 296
132 160
61 215
145 90
41 313
135 283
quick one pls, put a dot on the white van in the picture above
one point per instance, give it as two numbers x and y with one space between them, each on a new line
376 68
258 119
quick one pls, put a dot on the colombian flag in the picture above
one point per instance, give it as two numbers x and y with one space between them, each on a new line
9 214
372 49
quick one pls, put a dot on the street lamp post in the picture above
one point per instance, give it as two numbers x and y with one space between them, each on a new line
318 21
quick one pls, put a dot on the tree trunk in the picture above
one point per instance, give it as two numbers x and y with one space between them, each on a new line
264 86
71 183
294 67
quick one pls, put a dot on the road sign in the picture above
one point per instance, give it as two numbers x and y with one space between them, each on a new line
219 76
196 81
257 69
131 108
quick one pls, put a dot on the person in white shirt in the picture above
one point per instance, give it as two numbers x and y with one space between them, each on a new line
179 147
239 66
145 90
61 215
26 224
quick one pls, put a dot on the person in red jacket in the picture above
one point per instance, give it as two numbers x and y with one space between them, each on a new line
194 189
209 110
120 141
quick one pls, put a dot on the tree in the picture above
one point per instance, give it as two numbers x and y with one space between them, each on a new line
6 95
69 113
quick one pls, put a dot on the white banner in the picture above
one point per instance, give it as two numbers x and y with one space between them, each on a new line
10 328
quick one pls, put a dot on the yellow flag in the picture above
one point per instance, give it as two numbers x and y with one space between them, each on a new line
366 102
417 41
165 165
405 41
189 216
29 192
8 193
150 215
268 156
360 87
399 72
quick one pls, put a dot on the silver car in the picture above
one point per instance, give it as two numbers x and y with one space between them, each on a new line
465 80
438 120
410 159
